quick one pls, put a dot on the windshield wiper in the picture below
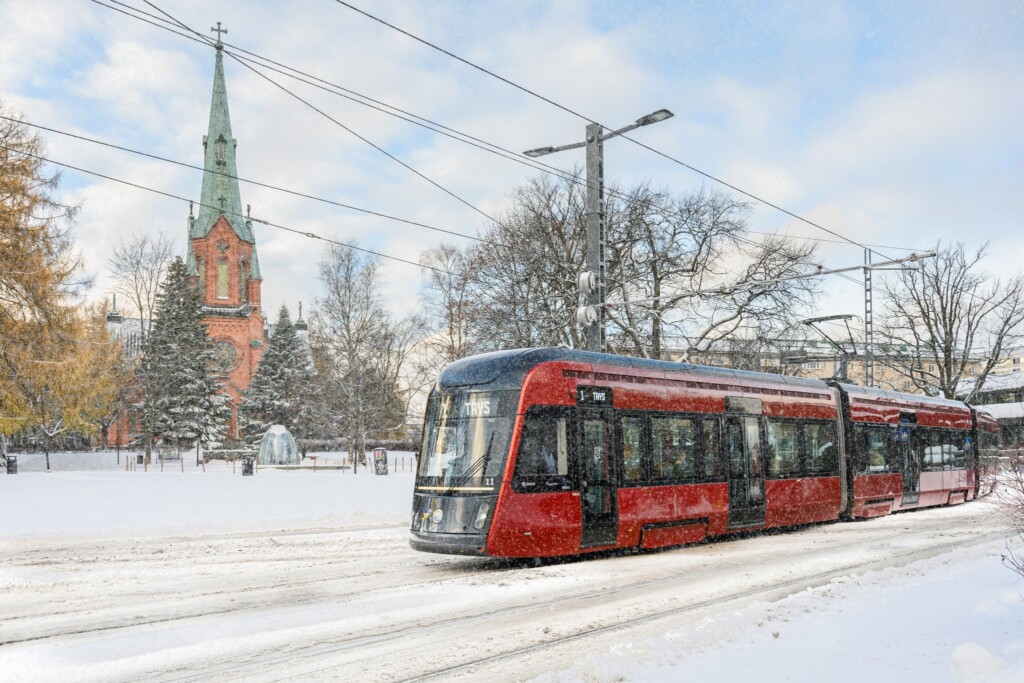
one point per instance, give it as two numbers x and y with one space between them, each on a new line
473 470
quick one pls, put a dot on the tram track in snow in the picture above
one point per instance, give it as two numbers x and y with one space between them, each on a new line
774 591
156 540
442 570
292 656
283 591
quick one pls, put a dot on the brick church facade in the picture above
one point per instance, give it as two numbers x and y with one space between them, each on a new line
223 264
222 258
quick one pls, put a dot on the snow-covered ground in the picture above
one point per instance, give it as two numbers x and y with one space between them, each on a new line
957 617
108 575
90 494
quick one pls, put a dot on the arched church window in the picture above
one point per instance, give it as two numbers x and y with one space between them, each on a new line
243 280
222 278
201 269
221 144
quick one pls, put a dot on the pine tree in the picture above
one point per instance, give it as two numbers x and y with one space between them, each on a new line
281 390
182 400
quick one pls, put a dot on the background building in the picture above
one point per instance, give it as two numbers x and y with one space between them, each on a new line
222 255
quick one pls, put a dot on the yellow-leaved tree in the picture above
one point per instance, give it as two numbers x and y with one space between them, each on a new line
42 337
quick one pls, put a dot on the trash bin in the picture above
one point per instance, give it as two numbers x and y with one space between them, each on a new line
246 467
140 459
12 464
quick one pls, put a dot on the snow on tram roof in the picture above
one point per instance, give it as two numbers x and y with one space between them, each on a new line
1003 411
511 367
870 393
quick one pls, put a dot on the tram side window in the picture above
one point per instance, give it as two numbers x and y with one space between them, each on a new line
952 444
820 448
961 446
632 429
932 448
543 449
712 438
924 446
946 448
872 446
673 448
782 449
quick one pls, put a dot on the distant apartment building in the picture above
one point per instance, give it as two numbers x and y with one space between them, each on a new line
821 360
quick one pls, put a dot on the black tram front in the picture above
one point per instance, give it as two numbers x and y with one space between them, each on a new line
466 437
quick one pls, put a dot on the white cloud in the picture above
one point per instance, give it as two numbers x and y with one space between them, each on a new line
885 142
937 116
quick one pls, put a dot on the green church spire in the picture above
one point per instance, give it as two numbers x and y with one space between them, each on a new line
220 176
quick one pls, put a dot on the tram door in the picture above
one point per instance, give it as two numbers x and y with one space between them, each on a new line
597 478
746 477
908 455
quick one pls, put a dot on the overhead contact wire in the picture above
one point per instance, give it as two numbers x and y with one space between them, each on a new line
170 195
590 120
423 122
333 120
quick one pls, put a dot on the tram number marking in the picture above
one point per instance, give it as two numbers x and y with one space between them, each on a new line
488 481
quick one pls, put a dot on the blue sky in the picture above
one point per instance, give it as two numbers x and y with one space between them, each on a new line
891 123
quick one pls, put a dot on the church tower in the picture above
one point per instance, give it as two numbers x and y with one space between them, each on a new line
222 254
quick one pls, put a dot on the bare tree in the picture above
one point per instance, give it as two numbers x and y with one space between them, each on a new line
663 249
1009 498
518 288
447 302
362 354
522 279
400 380
955 322
138 267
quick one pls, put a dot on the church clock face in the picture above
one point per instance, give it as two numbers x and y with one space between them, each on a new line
225 355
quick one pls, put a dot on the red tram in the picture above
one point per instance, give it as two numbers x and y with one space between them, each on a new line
554 452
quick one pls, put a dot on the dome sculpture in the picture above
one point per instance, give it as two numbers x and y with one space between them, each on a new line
278 448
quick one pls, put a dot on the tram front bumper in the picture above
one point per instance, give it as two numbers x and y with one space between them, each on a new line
449 544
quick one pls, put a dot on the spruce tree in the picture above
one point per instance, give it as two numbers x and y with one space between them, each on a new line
281 391
182 400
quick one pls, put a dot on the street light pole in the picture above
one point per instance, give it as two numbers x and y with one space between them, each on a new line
595 235
592 281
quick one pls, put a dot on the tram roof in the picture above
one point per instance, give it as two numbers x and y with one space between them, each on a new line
857 391
507 369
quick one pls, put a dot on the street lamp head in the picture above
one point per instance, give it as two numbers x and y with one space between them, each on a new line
539 152
657 116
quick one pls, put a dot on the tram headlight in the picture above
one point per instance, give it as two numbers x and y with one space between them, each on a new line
481 516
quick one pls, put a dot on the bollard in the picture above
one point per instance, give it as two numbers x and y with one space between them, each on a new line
246 467
12 464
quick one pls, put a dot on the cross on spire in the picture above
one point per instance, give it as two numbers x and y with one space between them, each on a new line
218 31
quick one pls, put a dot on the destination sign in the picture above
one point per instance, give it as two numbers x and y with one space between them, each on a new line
477 407
594 396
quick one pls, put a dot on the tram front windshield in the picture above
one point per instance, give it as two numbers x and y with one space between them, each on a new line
465 441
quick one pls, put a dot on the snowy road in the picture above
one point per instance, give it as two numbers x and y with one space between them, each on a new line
357 604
